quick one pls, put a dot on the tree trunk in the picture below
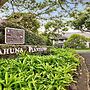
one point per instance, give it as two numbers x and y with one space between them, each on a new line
2 2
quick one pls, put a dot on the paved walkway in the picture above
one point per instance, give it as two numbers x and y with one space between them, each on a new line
87 59
86 55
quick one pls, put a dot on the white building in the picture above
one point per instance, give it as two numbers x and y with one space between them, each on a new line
59 39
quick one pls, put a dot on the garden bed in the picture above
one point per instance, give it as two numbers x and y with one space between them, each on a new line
53 71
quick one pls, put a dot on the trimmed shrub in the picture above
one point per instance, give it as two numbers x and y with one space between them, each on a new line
76 41
33 39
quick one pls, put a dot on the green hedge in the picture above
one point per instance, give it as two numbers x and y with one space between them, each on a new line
76 41
33 39
47 72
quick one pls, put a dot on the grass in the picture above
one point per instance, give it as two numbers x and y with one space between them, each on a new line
83 50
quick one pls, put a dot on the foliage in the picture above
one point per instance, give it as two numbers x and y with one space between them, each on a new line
30 72
81 20
55 26
76 41
33 39
23 20
41 8
55 10
1 37
46 38
29 23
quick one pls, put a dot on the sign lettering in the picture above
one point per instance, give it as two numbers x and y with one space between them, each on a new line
14 50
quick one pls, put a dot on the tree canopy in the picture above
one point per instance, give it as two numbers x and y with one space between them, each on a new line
81 20
55 26
59 7
27 21
49 10
52 11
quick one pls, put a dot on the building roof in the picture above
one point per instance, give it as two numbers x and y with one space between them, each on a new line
68 34
58 37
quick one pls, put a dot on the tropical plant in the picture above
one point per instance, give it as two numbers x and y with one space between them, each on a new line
47 72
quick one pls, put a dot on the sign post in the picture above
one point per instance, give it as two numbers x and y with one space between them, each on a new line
14 36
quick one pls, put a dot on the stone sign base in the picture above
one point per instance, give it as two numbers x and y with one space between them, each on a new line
15 49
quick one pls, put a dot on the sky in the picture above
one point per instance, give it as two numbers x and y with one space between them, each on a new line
40 0
80 7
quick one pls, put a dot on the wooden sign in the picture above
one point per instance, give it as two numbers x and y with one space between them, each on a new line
14 36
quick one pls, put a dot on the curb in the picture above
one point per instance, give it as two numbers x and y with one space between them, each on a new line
83 70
